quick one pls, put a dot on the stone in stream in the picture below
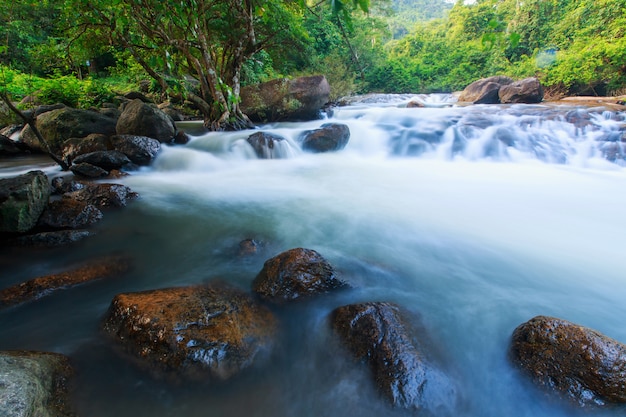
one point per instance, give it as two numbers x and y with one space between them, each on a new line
380 334
69 214
22 200
528 90
581 364
103 195
108 267
485 90
329 137
211 330
295 274
34 384
264 144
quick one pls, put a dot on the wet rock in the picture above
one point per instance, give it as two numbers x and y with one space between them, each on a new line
9 147
74 147
103 195
413 104
141 119
88 170
106 160
286 100
22 200
613 151
484 91
61 185
59 125
580 363
109 267
34 384
379 334
51 239
528 90
215 330
181 138
295 274
330 137
141 150
264 144
249 247
69 214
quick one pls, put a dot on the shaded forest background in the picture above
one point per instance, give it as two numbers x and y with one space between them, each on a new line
47 51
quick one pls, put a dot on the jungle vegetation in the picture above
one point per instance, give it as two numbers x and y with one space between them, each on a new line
83 52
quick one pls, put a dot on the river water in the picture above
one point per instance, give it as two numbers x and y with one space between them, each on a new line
475 219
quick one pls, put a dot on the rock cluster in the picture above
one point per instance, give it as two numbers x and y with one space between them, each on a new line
502 89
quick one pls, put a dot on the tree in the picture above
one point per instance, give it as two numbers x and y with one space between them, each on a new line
210 40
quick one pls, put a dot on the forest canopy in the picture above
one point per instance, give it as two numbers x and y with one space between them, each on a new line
206 50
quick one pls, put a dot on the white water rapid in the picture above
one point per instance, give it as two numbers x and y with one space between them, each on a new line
474 218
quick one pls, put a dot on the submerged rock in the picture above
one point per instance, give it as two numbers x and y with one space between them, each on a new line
214 330
264 144
22 200
108 267
295 274
34 384
580 363
329 137
379 334
51 239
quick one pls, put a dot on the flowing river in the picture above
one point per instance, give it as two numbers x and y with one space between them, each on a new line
474 218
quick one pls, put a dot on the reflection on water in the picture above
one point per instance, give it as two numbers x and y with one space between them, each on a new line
475 219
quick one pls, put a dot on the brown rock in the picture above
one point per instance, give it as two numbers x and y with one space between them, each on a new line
295 274
39 287
580 363
329 137
379 334
69 214
142 119
528 90
214 330
79 146
264 143
103 195
484 91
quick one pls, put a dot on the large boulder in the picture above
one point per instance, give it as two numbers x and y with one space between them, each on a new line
528 90
404 371
22 200
265 145
484 91
328 138
143 119
295 274
141 150
107 267
34 384
580 363
59 125
210 330
286 100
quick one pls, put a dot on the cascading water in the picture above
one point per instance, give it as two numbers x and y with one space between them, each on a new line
474 218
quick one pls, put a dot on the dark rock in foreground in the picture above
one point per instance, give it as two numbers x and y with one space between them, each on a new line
36 288
34 384
295 274
379 334
69 214
329 137
22 200
214 330
580 363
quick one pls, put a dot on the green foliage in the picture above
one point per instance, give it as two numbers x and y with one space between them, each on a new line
63 89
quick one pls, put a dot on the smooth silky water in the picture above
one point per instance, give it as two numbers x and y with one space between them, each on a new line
475 219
